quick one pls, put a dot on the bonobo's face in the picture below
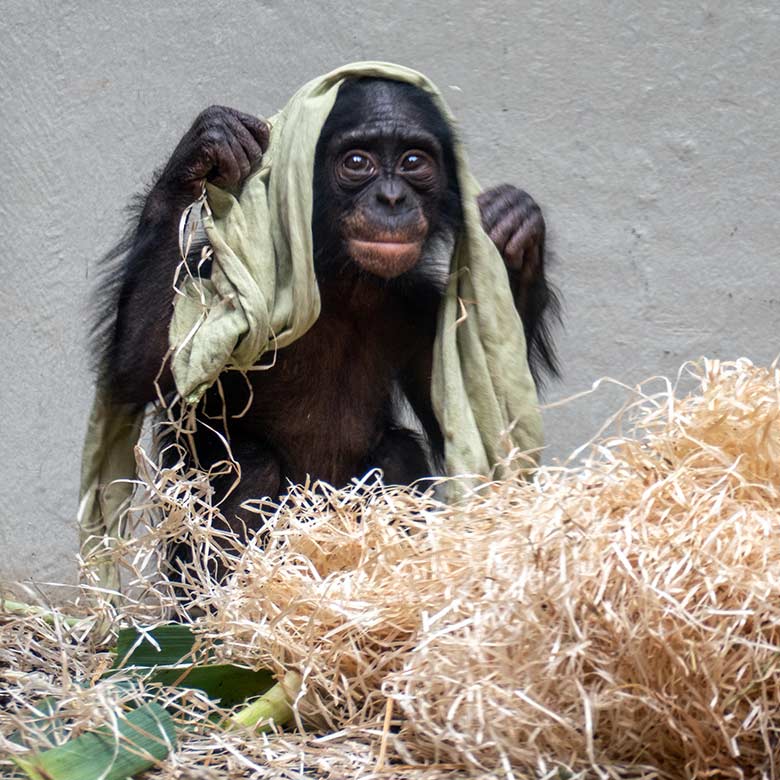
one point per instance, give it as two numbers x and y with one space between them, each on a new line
384 176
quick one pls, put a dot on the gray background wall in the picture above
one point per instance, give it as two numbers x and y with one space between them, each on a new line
649 132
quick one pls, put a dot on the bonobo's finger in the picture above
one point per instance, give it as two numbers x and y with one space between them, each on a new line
495 203
226 171
486 201
490 196
506 227
257 127
527 263
240 156
249 145
525 249
496 200
522 249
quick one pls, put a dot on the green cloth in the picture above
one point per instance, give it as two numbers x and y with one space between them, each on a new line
263 294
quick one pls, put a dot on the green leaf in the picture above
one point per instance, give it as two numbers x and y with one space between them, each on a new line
42 720
166 645
143 738
226 683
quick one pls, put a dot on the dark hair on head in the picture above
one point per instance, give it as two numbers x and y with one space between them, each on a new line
354 93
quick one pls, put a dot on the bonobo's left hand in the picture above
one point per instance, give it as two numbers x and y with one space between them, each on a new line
514 221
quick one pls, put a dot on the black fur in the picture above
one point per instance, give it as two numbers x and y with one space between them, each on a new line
326 410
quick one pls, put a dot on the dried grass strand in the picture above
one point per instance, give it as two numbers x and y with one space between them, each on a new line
616 617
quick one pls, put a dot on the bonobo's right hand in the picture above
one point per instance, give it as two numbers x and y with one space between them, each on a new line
222 146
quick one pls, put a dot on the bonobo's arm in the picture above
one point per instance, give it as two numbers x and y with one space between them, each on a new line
222 146
514 222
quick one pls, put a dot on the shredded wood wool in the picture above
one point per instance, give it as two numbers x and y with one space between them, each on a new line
618 616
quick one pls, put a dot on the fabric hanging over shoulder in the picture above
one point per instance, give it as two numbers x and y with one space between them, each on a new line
262 295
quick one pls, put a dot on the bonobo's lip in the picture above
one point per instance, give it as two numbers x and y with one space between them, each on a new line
387 259
385 246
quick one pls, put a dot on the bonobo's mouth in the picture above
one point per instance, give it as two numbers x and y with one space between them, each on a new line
387 259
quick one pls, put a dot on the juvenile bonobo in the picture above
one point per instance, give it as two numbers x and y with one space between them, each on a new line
385 192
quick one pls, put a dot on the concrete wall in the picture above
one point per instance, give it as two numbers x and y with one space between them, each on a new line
648 131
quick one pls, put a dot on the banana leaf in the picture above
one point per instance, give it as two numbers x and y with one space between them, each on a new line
166 655
141 739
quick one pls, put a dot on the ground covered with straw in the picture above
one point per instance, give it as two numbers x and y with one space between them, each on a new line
618 616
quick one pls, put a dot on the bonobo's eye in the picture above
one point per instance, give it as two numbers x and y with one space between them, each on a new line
417 166
356 167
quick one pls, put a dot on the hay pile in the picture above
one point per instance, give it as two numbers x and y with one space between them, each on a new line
620 617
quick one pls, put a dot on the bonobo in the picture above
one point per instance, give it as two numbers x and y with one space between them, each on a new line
385 189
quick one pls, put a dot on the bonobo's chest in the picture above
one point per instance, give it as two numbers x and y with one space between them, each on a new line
327 396
353 352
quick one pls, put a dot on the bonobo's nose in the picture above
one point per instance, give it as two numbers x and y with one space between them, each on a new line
391 193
